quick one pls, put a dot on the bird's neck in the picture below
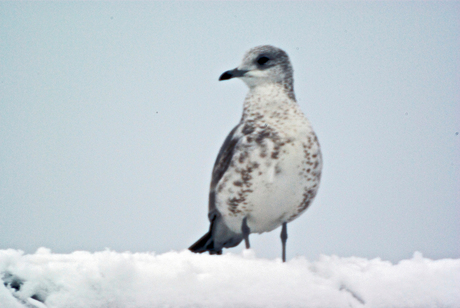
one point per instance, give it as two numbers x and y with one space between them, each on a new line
268 100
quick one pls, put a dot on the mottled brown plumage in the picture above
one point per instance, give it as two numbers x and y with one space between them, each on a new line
268 170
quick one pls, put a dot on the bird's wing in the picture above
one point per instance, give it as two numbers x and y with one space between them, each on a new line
221 165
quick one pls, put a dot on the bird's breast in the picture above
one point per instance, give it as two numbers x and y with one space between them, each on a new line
273 176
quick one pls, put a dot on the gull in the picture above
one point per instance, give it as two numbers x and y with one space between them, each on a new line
268 169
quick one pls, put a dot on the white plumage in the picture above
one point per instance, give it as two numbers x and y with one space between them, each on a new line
269 168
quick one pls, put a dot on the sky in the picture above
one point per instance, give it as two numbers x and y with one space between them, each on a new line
182 279
111 116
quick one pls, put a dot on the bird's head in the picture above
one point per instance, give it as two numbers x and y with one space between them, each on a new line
263 65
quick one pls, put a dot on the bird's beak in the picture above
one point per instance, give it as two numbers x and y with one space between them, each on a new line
232 74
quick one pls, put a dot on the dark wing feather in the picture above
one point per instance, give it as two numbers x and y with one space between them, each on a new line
219 235
221 165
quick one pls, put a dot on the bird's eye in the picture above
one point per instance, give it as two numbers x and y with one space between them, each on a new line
262 60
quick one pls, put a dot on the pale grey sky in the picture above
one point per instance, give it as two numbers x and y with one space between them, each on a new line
111 116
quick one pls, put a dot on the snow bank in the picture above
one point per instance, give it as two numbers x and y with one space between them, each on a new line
183 279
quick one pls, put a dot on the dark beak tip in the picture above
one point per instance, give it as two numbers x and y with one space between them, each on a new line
225 76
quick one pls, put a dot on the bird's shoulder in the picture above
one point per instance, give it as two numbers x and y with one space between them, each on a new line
225 155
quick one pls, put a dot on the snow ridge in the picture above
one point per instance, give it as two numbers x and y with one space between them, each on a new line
183 279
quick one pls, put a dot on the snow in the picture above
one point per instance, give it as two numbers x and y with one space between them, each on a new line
183 279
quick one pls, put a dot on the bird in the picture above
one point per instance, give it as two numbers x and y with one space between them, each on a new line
268 170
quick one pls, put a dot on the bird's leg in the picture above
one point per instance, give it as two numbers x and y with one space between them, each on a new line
245 229
283 240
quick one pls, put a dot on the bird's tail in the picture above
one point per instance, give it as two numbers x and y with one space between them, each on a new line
219 236
205 243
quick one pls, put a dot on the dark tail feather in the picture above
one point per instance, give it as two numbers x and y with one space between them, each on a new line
205 243
218 237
